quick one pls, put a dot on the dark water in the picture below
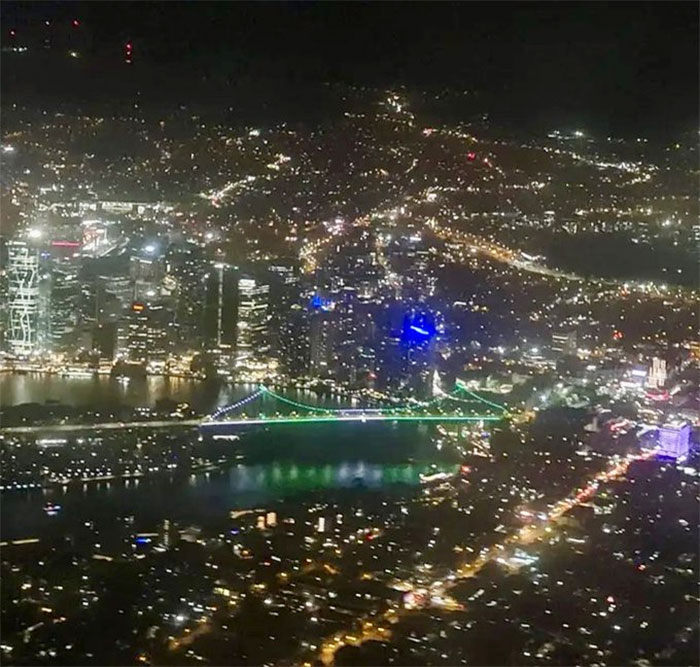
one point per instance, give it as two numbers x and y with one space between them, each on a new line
201 499
347 459
18 388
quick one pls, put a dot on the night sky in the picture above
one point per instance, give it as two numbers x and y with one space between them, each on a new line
623 67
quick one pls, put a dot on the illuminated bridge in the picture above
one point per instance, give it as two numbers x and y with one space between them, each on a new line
461 406
458 407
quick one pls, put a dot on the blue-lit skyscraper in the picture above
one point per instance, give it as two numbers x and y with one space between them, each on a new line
674 440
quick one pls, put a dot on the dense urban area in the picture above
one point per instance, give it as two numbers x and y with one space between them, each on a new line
426 390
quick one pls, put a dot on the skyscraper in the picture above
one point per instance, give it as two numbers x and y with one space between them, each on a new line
294 341
322 343
253 326
674 440
564 342
148 332
657 373
23 293
186 265
63 305
220 308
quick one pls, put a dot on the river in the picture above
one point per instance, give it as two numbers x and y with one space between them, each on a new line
16 388
304 471
202 499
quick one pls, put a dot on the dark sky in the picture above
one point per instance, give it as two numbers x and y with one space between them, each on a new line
623 66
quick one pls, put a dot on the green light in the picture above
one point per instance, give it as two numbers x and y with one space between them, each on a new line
460 386
382 418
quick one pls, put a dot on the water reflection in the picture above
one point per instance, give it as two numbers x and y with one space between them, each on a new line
199 498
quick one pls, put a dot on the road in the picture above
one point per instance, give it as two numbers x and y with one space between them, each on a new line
376 626
253 421
108 426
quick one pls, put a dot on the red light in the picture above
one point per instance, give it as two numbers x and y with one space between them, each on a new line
465 469
12 33
471 156
65 244
128 46
76 23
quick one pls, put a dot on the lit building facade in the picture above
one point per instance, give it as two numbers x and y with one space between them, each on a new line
23 297
253 345
147 332
64 306
564 342
657 373
674 440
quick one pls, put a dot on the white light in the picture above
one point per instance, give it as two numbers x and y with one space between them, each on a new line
8 149
35 233
150 248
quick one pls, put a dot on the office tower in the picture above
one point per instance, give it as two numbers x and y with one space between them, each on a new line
104 340
564 342
148 332
285 297
23 297
147 271
657 373
406 358
674 440
63 306
293 342
253 349
322 343
186 265
219 322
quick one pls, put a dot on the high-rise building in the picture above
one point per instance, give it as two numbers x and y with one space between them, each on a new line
657 373
406 358
253 349
322 343
23 297
294 341
186 265
147 271
147 332
285 297
63 306
219 322
564 342
674 440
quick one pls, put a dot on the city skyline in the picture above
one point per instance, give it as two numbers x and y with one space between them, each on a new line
349 334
